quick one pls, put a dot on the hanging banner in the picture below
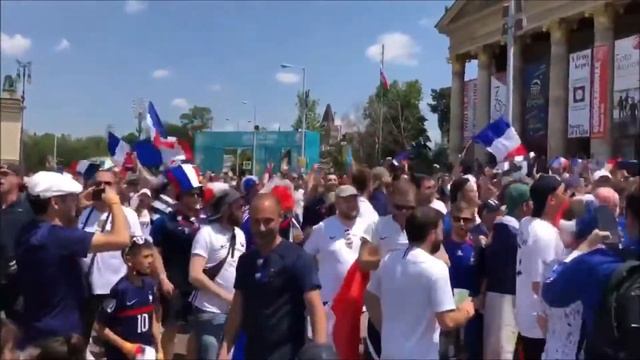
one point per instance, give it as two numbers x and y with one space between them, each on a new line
469 109
626 85
499 96
536 107
579 116
600 95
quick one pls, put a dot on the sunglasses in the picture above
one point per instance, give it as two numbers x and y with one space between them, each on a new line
465 220
403 207
103 183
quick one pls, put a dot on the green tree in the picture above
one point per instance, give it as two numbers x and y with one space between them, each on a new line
439 105
398 110
198 118
313 116
130 138
39 149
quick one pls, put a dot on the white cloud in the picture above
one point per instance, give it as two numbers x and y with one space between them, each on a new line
181 103
426 22
287 77
135 6
399 48
160 73
215 87
64 44
15 45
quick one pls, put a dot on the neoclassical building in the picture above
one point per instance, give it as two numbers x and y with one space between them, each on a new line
554 29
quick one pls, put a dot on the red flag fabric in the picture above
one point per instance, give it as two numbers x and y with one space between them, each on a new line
518 151
347 309
383 79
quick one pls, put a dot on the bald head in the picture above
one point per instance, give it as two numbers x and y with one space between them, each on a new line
265 202
608 197
265 217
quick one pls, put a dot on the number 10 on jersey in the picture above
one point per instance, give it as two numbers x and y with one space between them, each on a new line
143 323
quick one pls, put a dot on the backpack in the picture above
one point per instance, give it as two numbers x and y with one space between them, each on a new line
617 333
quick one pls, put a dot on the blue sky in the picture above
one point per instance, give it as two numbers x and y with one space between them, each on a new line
92 59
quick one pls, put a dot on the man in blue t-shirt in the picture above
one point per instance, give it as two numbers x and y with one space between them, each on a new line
464 271
48 253
128 318
275 283
173 236
585 274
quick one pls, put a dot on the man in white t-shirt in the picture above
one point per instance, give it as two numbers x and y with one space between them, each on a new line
410 297
427 193
212 271
361 180
335 242
539 243
387 235
103 269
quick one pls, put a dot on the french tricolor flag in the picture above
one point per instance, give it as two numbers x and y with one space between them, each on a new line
119 150
155 125
173 150
184 177
501 140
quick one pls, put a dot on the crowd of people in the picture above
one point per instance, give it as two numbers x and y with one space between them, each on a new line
485 264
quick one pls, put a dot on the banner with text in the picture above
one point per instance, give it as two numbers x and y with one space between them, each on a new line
499 96
626 86
536 107
469 109
600 95
579 94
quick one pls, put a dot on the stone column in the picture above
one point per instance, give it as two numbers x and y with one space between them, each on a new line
517 121
603 23
457 103
483 110
558 90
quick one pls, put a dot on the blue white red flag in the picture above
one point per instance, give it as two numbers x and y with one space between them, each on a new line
184 177
500 139
118 149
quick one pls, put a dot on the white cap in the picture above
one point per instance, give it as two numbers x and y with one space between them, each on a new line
600 173
46 184
439 205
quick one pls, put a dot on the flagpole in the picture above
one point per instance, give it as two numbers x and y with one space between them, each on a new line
381 109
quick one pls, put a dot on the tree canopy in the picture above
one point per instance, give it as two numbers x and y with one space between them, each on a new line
403 125
198 118
439 105
313 116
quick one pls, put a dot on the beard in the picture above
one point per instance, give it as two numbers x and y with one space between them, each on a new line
265 236
435 247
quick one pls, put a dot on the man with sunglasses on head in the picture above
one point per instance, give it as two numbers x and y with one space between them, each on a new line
103 270
49 273
173 236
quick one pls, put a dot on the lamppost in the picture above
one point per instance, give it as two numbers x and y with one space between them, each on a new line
139 108
255 136
23 73
304 106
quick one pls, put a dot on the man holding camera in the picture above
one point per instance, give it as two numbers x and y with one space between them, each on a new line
102 270
49 273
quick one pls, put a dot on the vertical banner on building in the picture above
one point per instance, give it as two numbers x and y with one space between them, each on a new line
626 85
469 109
536 107
499 96
600 94
579 116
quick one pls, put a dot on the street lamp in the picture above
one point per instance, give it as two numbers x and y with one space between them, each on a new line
304 105
255 137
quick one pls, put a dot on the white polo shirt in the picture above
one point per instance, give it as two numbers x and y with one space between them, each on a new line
336 247
388 236
212 242
109 266
412 286
367 211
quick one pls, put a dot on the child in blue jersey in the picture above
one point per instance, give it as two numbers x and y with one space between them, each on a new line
128 320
